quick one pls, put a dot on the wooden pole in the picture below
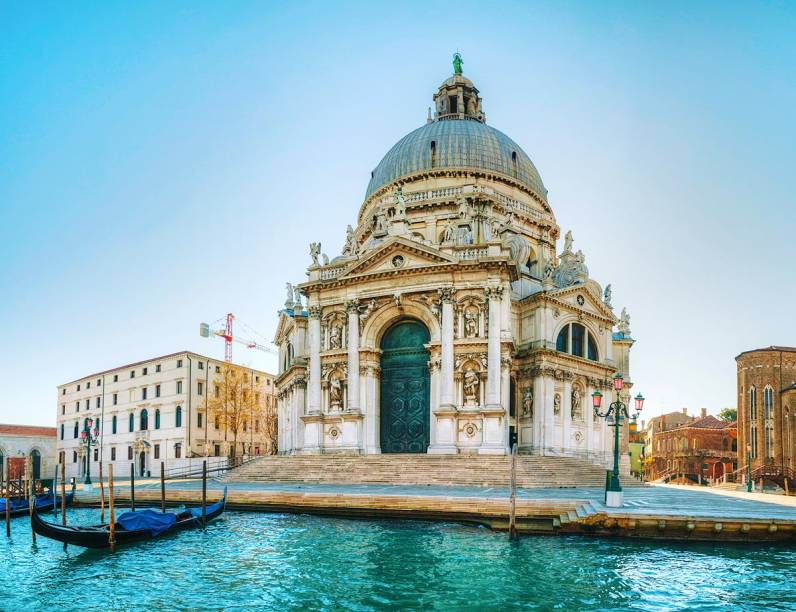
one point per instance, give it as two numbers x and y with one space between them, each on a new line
54 491
63 493
513 495
111 517
102 495
132 487
8 500
204 493
787 491
162 487
31 495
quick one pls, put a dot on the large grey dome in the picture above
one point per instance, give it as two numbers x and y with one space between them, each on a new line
457 143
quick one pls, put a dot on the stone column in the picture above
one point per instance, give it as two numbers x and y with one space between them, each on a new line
495 296
315 360
352 306
566 418
446 399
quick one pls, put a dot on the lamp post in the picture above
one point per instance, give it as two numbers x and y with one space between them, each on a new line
749 468
614 415
89 437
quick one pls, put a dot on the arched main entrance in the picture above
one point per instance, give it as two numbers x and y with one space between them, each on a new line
404 425
35 460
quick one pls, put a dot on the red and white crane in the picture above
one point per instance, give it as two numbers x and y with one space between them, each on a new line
225 331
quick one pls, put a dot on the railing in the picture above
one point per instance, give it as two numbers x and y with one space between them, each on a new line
472 253
223 464
329 273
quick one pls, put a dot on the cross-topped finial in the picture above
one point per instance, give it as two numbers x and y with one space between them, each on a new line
457 63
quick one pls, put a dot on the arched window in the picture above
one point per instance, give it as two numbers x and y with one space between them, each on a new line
514 164
433 154
131 422
768 402
157 418
143 420
576 340
178 417
113 424
752 404
735 445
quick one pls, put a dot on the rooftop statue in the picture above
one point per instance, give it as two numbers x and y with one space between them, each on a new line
457 63
315 251
624 322
607 296
568 242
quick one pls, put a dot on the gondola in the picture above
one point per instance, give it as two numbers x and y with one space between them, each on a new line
20 506
129 526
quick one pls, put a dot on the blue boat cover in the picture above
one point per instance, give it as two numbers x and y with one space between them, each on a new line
156 522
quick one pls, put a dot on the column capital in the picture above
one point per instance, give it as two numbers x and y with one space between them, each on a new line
352 306
315 312
445 294
494 293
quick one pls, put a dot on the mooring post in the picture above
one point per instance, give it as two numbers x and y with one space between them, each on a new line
162 487
31 493
111 518
63 493
102 495
132 487
204 492
54 491
513 495
8 500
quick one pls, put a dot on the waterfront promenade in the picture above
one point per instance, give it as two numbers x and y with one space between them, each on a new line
654 511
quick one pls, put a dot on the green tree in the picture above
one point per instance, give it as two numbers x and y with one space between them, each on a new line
728 414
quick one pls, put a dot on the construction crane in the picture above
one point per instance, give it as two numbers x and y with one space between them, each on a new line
206 330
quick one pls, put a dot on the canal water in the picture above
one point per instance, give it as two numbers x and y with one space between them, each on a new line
280 561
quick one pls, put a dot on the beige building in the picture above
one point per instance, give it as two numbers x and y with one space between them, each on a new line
19 443
455 320
157 410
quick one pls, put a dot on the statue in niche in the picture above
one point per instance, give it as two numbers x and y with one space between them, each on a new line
450 231
471 384
575 412
557 404
371 306
380 222
527 404
348 249
464 210
315 251
568 242
607 296
471 107
335 393
548 270
470 324
336 336
465 235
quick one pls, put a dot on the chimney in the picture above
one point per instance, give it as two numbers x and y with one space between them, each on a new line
704 412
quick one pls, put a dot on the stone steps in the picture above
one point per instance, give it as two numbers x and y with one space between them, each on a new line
447 470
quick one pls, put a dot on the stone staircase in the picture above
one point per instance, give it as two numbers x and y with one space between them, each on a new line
420 469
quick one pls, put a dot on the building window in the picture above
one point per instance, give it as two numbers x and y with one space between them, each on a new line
179 386
99 382
178 417
199 420
754 441
752 404
157 368
256 425
179 363
143 393
115 378
115 399
257 379
156 451
62 431
98 402
63 409
132 374
63 391
88 385
88 403
113 453
177 450
157 390
216 391
768 402
129 453
144 371
576 340
218 369
200 365
75 430
157 419
77 406
96 454
78 387
143 420
217 422
131 422
199 387
74 456
113 424
217 450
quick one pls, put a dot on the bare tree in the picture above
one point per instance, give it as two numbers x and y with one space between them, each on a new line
236 404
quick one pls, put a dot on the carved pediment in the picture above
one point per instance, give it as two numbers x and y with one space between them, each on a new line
581 297
398 254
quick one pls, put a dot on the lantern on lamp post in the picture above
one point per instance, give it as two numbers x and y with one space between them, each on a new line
616 412
89 436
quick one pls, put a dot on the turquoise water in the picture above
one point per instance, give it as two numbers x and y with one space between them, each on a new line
279 561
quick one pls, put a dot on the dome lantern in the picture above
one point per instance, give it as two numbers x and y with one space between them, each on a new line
457 97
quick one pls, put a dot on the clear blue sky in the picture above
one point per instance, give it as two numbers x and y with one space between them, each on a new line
162 163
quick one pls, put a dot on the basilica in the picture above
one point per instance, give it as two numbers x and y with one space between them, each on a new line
456 320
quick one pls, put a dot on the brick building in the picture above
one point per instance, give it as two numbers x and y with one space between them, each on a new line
700 449
766 406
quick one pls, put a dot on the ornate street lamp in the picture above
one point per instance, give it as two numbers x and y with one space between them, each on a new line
614 415
89 437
